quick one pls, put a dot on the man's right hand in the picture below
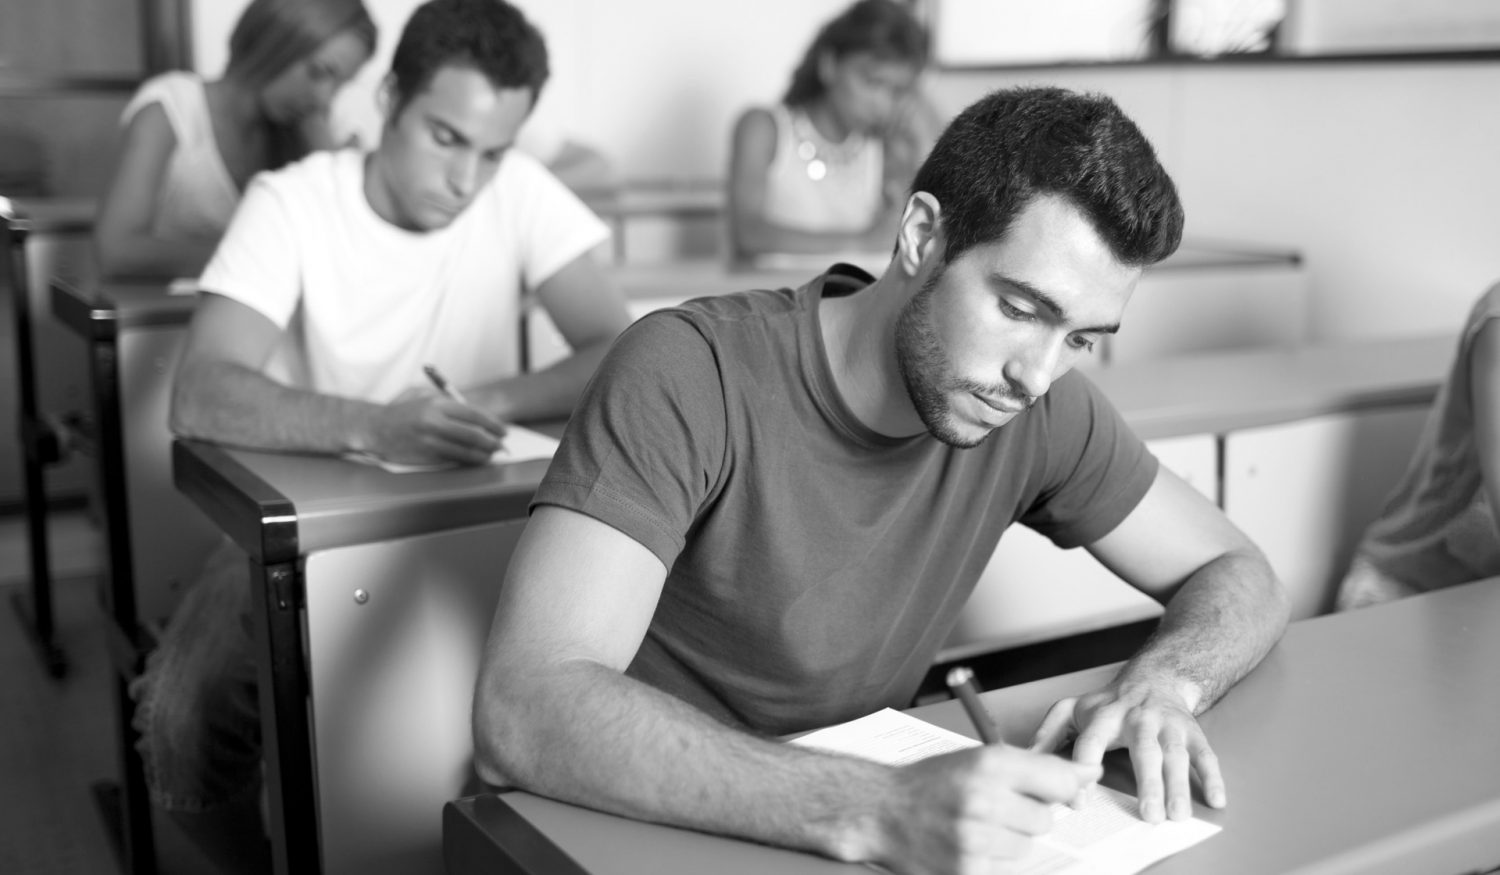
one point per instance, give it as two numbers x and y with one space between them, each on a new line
422 426
966 811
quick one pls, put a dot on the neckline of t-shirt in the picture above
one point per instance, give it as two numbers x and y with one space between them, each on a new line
820 373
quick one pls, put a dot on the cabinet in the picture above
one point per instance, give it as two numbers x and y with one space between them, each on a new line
1305 491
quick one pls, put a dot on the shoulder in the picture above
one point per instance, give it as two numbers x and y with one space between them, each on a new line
172 82
523 180
757 121
174 89
318 174
1487 306
706 334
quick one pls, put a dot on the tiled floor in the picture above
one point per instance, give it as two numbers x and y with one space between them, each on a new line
57 736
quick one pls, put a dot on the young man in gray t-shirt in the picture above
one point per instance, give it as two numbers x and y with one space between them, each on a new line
769 508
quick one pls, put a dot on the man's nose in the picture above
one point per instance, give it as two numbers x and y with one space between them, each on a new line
463 174
1033 370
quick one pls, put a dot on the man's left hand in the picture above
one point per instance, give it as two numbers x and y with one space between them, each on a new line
1166 744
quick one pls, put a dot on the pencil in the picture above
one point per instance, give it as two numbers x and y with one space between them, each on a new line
442 384
962 684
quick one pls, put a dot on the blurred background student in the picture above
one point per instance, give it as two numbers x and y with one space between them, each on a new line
1438 526
820 172
191 145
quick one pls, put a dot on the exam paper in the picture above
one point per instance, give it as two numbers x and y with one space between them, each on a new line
1104 837
521 445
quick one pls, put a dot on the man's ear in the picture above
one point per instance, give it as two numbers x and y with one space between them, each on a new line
919 238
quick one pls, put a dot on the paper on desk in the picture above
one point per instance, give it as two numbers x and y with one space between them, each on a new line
1104 837
521 445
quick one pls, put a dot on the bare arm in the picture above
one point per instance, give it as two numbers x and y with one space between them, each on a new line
588 308
751 233
1484 378
555 714
1224 611
221 393
123 242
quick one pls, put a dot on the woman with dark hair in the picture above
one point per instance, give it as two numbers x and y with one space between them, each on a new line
191 145
819 172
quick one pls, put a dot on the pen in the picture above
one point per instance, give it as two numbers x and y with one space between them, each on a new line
961 683
442 384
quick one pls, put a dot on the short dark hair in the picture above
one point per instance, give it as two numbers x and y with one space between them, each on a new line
883 29
490 36
1015 144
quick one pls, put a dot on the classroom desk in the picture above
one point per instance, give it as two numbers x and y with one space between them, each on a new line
677 200
23 219
333 547
1364 743
131 332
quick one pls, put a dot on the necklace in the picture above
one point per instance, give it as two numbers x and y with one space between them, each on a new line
817 152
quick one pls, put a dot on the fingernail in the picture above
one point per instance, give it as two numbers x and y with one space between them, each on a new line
1178 809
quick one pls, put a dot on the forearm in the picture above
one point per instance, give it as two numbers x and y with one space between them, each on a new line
1216 628
147 255
549 393
612 743
231 404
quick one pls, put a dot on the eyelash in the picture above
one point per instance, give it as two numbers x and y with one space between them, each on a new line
1014 312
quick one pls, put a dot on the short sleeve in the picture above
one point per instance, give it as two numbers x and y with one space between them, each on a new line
644 449
555 227
1096 470
258 261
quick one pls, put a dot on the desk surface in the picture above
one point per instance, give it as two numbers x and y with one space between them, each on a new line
334 502
97 310
1226 391
1365 743
48 215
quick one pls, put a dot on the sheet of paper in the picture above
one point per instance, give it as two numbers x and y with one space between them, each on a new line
1104 837
521 445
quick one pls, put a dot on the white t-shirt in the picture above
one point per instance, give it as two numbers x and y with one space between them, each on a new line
197 195
367 304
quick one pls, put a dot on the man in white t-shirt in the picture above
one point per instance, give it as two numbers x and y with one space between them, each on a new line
337 281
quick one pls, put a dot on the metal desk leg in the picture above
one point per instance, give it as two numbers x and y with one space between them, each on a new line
137 846
36 617
285 725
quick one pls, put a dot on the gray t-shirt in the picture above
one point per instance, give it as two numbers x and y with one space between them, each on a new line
815 566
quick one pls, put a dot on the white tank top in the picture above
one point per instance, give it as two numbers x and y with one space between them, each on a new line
816 185
198 195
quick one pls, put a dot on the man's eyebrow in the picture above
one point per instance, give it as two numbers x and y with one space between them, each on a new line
1049 302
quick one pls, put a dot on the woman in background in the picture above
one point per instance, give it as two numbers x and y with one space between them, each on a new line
822 172
191 145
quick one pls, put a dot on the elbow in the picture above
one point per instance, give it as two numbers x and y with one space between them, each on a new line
500 736
183 413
